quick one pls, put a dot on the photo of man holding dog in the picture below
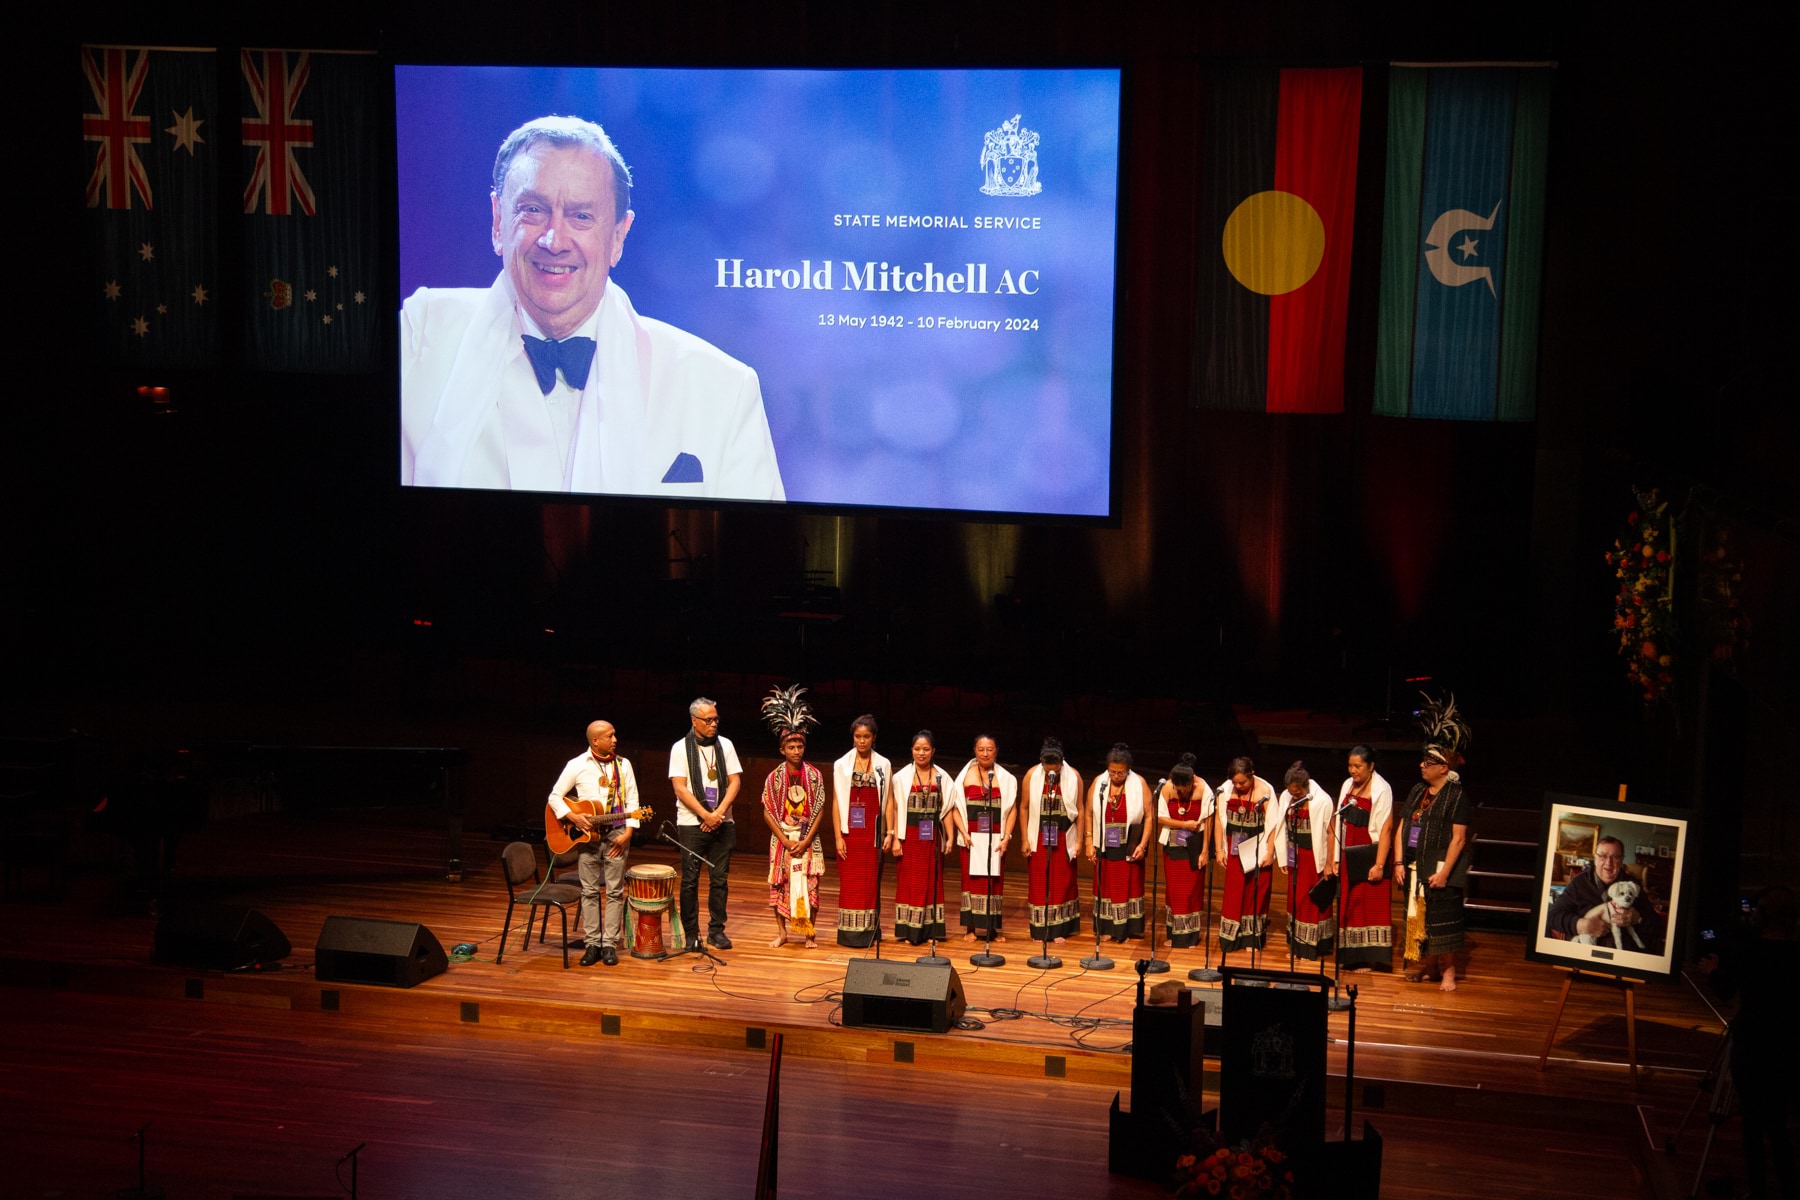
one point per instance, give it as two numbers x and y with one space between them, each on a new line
1605 906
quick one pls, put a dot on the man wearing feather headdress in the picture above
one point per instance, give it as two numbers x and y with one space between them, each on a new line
794 803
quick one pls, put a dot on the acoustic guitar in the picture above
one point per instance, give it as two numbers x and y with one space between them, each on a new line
563 835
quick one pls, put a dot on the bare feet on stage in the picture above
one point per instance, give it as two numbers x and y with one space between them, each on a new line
1449 983
969 936
1361 970
999 937
812 943
1058 941
781 935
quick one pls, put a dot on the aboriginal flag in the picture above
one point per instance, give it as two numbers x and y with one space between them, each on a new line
1462 243
1278 206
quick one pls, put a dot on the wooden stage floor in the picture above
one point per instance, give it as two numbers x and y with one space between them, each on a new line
1421 1055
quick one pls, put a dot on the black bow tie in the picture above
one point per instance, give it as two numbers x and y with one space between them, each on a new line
572 356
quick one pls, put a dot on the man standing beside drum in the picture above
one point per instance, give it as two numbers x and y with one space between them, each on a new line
705 774
604 776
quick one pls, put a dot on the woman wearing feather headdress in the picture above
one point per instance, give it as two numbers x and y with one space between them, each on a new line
1431 835
794 804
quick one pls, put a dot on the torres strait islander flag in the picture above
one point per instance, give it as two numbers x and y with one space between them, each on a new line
1278 202
1462 243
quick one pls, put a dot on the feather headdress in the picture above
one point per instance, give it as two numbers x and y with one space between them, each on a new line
1447 735
787 713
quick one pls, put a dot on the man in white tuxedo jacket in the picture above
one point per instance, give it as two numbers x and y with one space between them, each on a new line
550 381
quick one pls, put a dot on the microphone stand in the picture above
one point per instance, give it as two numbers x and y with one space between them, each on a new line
1155 965
1044 961
351 1159
880 852
1207 973
1098 961
934 959
1287 821
1338 1002
1256 891
694 945
143 1190
987 957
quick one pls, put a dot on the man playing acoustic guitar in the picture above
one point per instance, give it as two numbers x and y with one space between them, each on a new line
602 776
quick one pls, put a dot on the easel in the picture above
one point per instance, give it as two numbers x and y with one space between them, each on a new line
1630 985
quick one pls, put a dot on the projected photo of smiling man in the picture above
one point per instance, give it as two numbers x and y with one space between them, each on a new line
549 380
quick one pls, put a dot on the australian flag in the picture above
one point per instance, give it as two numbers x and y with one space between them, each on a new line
310 224
148 126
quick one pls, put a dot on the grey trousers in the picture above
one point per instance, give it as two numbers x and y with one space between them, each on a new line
592 866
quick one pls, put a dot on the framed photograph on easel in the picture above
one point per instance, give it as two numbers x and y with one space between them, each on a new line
1610 887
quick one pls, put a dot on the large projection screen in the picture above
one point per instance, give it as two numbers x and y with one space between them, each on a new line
847 289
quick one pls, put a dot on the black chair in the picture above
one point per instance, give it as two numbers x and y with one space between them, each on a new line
565 868
519 864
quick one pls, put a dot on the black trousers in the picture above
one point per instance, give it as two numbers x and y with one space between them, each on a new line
715 846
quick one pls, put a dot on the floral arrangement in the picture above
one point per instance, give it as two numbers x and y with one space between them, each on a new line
1239 1173
1643 561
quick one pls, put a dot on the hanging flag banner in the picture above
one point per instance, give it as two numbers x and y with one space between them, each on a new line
147 123
1462 243
1278 206
311 272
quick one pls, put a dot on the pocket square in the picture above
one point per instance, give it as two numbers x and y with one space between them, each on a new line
685 469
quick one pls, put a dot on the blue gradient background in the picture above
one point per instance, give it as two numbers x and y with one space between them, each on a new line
753 165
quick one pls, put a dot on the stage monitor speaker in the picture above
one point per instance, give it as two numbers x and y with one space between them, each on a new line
386 953
902 995
221 937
